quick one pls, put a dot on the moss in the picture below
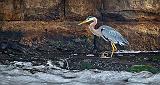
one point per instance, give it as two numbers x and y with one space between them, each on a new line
139 68
155 58
86 65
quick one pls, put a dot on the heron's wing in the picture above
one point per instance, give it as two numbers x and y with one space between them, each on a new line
113 35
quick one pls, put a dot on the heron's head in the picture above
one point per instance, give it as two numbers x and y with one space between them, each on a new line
88 19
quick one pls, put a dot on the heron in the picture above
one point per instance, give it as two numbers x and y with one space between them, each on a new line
106 32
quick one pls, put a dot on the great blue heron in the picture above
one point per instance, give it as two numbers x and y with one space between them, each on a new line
107 33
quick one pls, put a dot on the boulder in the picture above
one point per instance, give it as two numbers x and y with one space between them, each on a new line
139 10
30 9
112 10
42 9
80 9
11 10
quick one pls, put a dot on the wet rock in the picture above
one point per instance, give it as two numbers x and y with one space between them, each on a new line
103 77
56 65
22 64
51 78
145 78
23 79
155 79
135 83
79 83
17 72
69 77
36 83
6 67
56 72
143 74
59 64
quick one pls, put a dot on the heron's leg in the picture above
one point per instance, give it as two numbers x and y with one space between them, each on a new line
113 49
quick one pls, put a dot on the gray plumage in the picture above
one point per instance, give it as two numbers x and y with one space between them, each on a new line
112 35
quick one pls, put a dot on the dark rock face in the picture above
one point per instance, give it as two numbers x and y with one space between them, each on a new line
41 20
30 9
11 9
141 36
139 10
134 9
42 9
82 8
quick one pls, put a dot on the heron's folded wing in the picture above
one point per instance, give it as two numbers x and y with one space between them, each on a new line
113 35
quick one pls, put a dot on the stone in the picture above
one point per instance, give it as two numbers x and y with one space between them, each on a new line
42 9
112 10
77 9
145 34
12 10
142 77
30 10
51 78
145 78
140 10
103 77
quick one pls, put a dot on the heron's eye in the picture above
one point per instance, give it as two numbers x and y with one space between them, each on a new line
87 19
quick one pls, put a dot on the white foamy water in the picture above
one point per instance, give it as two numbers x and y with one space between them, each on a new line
50 75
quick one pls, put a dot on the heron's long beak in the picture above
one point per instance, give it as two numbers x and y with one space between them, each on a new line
85 21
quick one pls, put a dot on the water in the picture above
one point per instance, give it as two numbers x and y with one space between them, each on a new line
26 73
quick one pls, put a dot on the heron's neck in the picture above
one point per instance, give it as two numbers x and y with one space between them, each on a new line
93 24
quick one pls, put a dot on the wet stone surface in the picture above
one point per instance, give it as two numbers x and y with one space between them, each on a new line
51 74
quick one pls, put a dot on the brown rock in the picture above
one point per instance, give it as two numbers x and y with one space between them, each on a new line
140 10
141 36
30 9
42 9
132 9
11 10
76 9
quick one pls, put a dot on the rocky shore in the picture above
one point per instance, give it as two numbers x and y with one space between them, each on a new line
29 74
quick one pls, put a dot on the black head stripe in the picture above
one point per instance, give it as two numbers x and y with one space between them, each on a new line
89 17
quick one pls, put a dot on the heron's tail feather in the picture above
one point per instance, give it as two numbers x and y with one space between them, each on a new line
125 42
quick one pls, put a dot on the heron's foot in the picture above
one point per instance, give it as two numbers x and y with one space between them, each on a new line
106 54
